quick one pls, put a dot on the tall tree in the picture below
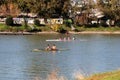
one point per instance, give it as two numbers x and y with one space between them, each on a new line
43 8
9 7
110 8
23 6
83 9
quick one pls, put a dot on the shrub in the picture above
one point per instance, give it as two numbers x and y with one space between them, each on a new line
68 22
9 21
61 29
37 22
35 29
117 23
103 23
25 23
58 28
55 27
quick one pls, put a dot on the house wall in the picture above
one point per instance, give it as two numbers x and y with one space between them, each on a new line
55 21
31 20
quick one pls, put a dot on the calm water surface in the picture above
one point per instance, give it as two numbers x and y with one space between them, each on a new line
88 54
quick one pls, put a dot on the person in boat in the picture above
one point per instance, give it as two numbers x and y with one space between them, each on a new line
73 38
64 38
48 47
60 39
69 39
54 47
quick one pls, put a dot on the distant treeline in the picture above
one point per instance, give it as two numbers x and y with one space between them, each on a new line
66 9
43 8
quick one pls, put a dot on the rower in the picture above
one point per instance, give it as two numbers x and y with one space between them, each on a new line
54 47
73 38
69 39
60 39
48 47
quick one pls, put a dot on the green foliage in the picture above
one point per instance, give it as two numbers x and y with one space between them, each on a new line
3 27
61 30
55 27
25 23
36 22
117 23
111 8
45 28
45 8
103 23
23 6
9 21
68 22
79 29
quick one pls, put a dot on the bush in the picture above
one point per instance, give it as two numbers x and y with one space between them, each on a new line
79 29
117 23
25 23
61 29
35 30
55 27
103 23
68 22
37 22
9 21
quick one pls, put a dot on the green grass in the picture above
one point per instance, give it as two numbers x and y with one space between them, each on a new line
111 29
115 75
45 28
3 27
112 76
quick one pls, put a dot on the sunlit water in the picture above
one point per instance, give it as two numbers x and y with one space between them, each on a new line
88 54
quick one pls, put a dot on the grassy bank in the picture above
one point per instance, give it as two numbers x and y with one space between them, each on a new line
110 29
19 28
55 28
115 75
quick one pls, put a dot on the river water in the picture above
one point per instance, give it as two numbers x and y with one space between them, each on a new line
88 54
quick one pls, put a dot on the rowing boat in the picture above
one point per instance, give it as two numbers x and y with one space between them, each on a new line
53 40
43 50
57 40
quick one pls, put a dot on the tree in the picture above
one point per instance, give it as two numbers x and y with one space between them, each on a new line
82 10
111 9
37 22
45 8
9 7
9 21
23 6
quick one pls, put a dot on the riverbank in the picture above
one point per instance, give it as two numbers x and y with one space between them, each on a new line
115 75
96 32
26 33
52 32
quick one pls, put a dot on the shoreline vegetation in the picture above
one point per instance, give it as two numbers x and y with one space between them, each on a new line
55 29
10 28
52 32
